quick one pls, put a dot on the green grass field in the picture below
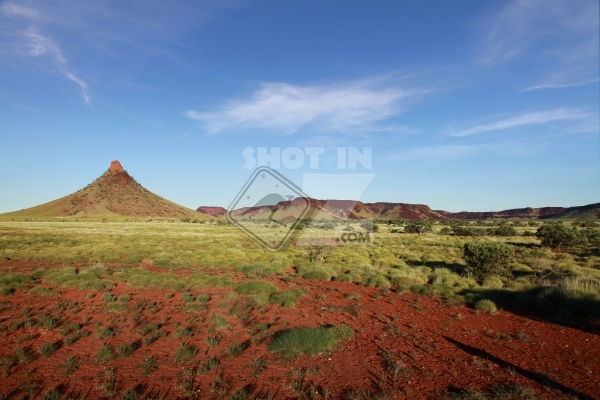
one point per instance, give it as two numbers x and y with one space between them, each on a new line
430 264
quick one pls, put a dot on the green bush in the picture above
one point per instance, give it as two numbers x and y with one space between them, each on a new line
286 298
418 227
343 332
109 298
298 341
378 281
558 235
486 305
405 281
343 278
126 349
203 298
184 354
317 275
47 349
487 258
236 349
104 355
256 287
492 282
505 230
11 281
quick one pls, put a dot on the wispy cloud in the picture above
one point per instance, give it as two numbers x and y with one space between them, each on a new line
561 35
39 45
286 108
559 85
524 119
20 11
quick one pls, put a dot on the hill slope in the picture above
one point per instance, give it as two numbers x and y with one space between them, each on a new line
114 193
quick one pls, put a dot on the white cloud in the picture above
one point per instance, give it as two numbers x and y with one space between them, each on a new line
39 45
286 108
550 85
529 118
20 11
561 35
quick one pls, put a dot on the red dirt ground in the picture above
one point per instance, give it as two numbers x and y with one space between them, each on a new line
433 346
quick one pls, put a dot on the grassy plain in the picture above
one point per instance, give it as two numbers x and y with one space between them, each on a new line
199 296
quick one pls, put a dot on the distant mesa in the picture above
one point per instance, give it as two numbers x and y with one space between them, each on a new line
114 193
349 209
212 211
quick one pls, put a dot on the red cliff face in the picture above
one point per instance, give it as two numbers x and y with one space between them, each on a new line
115 166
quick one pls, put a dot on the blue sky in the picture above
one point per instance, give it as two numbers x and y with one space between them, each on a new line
465 105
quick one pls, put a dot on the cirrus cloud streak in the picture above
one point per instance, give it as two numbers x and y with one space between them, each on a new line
286 108
524 119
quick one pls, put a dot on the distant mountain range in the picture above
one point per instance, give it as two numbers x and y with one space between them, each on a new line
116 194
339 209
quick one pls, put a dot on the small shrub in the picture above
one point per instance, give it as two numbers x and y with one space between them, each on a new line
343 332
183 332
47 349
131 394
169 295
124 298
236 349
108 297
286 298
297 341
70 365
104 355
104 332
256 287
379 281
208 365
317 275
487 258
486 305
492 282
219 322
558 235
184 354
48 321
91 295
203 298
53 394
22 355
187 297
8 362
149 365
258 365
153 337
126 349
213 341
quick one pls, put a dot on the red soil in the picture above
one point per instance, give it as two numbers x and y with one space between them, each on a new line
436 346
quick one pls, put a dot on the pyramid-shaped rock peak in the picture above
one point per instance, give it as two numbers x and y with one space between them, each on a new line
114 193
115 166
